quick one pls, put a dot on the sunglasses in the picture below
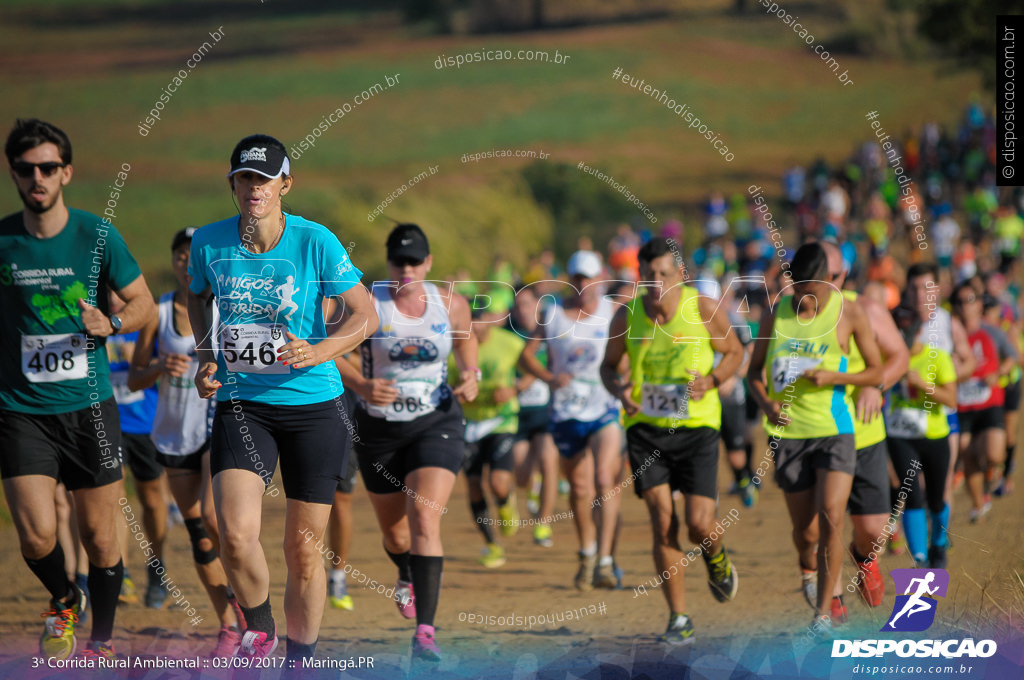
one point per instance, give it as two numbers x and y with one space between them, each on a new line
404 261
24 169
965 301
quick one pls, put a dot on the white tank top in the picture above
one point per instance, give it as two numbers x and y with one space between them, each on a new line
411 351
180 425
576 346
938 331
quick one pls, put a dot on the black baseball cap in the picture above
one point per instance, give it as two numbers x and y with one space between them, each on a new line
261 154
407 240
182 237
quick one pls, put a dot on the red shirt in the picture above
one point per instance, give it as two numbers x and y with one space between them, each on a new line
974 394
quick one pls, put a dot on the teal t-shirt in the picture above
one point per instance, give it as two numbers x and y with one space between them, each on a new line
48 363
262 296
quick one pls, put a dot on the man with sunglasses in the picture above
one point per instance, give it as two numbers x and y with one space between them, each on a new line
58 417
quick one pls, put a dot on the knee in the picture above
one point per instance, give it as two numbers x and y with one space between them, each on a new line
697 531
830 518
304 559
805 536
236 542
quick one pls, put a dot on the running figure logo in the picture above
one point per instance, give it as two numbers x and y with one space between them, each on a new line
286 291
915 609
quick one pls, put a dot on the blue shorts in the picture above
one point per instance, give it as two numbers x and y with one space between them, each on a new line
954 422
571 436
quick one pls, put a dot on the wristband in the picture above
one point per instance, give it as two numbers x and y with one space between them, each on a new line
478 372
715 380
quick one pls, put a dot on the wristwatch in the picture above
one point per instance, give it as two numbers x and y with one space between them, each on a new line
115 324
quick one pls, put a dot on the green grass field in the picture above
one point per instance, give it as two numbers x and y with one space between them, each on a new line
97 70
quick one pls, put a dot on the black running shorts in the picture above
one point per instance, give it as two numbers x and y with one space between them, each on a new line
870 492
533 421
140 453
686 459
976 422
1011 397
311 442
80 448
388 451
192 461
494 450
797 460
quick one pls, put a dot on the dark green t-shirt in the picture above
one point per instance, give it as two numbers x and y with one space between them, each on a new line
47 362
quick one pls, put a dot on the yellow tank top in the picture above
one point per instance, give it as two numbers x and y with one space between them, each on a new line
660 358
865 434
799 345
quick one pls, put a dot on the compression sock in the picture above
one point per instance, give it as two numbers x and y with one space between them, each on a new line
426 583
483 522
401 561
915 526
50 570
940 521
104 588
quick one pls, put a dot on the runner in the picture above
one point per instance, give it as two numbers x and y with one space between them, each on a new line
584 415
673 417
803 348
1003 318
981 399
58 417
275 376
492 420
534 448
137 408
919 440
869 504
410 423
166 354
941 329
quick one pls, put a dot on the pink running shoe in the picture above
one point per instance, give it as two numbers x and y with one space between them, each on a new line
405 599
239 616
424 647
227 642
257 645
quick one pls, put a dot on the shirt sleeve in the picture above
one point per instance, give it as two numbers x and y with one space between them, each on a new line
337 273
944 369
1003 344
122 268
197 267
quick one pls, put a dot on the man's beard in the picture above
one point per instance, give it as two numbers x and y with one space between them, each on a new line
35 206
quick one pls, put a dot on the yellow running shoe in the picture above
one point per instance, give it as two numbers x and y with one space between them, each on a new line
128 594
338 595
58 639
509 515
493 556
542 535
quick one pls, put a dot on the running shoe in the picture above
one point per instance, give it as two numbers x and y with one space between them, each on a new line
257 645
838 612
228 640
823 626
156 594
424 646
405 599
809 586
870 580
722 577
239 616
542 536
128 594
604 576
976 514
100 650
58 638
897 544
748 492
492 557
533 496
679 632
338 596
585 575
82 581
937 557
509 515
174 515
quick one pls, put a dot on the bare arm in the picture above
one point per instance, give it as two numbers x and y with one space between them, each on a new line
861 332
963 357
200 317
139 309
144 369
359 321
723 341
464 346
614 357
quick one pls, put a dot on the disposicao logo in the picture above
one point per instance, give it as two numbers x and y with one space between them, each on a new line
914 611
